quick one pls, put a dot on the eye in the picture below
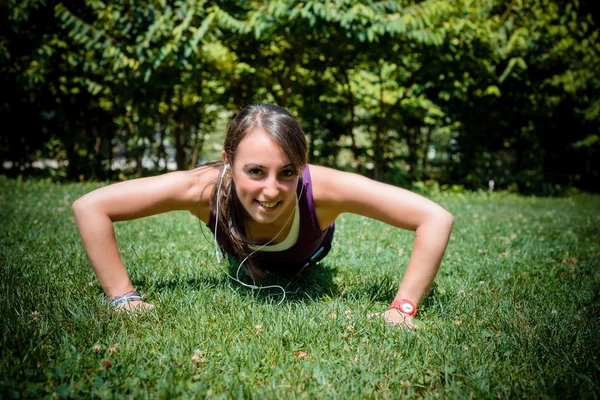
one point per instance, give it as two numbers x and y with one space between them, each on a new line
288 173
254 172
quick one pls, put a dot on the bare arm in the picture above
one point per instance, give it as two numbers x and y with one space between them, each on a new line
96 211
337 192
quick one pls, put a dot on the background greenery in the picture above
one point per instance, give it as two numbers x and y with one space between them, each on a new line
515 313
429 94
453 91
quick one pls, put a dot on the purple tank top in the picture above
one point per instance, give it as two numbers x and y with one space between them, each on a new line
310 236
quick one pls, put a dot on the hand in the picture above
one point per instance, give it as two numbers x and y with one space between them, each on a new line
395 317
134 306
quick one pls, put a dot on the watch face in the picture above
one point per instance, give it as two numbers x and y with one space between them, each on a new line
406 308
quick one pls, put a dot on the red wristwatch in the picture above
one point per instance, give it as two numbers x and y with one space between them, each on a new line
404 306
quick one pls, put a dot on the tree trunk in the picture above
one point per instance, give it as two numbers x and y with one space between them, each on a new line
162 154
379 133
180 136
110 155
412 158
351 102
424 162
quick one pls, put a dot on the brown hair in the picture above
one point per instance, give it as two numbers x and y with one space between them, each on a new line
285 130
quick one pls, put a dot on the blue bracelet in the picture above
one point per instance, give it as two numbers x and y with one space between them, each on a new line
126 298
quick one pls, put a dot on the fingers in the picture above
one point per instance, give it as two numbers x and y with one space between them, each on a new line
394 317
134 306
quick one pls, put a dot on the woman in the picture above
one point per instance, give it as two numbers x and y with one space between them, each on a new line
267 207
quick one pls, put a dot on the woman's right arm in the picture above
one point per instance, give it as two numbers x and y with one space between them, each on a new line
96 211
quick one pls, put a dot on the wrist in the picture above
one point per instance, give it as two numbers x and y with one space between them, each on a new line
404 306
118 290
124 299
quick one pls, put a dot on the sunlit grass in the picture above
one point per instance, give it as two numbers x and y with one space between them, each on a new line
515 313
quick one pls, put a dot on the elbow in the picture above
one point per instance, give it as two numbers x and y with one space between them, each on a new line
438 220
80 207
449 219
76 207
88 207
445 219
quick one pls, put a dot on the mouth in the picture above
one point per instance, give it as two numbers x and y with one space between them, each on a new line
268 205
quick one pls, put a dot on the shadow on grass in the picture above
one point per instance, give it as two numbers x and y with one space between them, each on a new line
313 283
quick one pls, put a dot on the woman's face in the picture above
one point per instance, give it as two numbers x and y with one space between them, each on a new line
265 181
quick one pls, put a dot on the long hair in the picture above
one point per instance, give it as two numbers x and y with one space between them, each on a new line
285 130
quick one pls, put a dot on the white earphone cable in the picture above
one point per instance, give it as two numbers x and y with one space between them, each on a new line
217 251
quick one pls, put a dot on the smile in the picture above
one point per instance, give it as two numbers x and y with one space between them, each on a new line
267 204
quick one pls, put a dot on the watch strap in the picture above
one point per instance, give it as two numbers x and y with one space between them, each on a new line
405 306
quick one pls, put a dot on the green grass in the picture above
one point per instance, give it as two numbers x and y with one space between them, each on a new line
515 313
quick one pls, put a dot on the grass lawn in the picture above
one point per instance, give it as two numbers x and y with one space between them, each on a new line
515 313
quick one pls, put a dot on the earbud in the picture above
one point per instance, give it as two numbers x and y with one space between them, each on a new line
225 168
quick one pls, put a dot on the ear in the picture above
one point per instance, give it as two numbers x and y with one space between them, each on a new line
224 157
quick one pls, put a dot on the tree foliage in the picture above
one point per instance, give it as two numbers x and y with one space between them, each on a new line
460 91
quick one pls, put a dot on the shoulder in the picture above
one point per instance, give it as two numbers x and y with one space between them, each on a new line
201 179
352 190
336 192
189 190
200 183
325 180
334 186
187 187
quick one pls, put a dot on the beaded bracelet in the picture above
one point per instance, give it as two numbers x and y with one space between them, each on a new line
126 298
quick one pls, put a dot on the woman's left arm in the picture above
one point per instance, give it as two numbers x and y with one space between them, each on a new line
336 192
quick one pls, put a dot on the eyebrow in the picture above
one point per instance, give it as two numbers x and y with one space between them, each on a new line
262 166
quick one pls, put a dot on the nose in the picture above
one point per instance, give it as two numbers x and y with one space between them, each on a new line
271 188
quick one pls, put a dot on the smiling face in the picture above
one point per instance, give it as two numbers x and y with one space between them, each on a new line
265 180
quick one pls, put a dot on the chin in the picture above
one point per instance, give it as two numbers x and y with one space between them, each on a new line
261 218
264 217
